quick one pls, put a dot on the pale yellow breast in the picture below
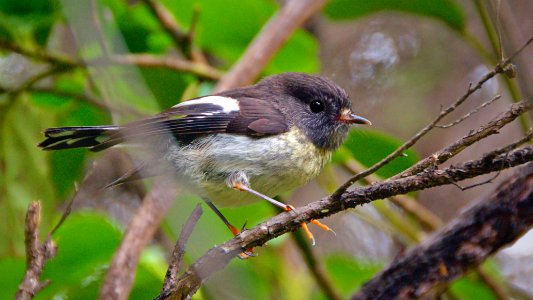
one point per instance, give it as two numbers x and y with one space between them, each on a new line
274 165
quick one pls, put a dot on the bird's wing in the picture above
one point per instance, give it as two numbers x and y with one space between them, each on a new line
205 115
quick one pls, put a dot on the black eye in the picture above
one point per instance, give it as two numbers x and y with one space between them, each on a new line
316 106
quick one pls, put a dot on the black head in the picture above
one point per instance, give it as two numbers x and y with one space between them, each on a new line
316 105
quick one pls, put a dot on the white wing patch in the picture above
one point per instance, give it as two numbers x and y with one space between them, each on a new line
227 104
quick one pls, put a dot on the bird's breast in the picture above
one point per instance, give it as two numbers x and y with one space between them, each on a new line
273 164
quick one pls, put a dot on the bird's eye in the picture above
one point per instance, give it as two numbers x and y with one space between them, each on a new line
316 106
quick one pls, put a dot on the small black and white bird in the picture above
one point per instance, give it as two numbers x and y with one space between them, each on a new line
263 139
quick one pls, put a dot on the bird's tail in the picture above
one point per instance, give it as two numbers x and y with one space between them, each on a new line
95 138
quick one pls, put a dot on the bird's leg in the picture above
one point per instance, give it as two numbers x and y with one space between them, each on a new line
239 181
234 230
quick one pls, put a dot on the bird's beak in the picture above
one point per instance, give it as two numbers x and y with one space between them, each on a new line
351 118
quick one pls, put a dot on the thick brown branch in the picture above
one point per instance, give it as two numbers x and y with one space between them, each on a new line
119 277
218 257
266 44
463 244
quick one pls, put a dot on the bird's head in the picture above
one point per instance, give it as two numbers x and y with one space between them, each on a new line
316 105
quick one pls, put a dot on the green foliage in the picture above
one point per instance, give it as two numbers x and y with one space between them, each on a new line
11 275
471 288
370 146
225 28
85 245
447 11
87 241
27 19
348 273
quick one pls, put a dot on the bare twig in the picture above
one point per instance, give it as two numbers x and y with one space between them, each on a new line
37 254
466 116
218 257
177 254
463 244
141 60
499 68
39 54
482 132
271 38
119 278
169 24
166 62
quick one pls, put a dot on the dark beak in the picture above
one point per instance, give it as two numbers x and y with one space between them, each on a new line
351 118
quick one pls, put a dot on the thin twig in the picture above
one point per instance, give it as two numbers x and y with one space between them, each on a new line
266 44
39 54
492 127
499 68
141 60
171 277
166 62
466 116
218 257
35 258
37 254
169 24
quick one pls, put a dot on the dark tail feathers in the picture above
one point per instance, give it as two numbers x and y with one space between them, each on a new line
95 138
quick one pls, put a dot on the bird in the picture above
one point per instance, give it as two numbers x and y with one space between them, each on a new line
237 146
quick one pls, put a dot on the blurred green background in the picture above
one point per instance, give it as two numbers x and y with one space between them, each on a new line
399 60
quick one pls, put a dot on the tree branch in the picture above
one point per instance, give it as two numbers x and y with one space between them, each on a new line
462 245
499 68
266 44
492 127
166 62
37 254
217 258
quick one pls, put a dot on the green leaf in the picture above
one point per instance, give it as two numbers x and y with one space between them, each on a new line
370 146
11 275
350 274
224 28
300 54
28 17
447 11
470 288
86 242
150 274
167 86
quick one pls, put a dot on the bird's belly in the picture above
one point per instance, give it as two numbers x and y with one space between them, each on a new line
273 165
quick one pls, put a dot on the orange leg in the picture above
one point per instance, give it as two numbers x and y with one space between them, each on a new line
240 183
234 230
